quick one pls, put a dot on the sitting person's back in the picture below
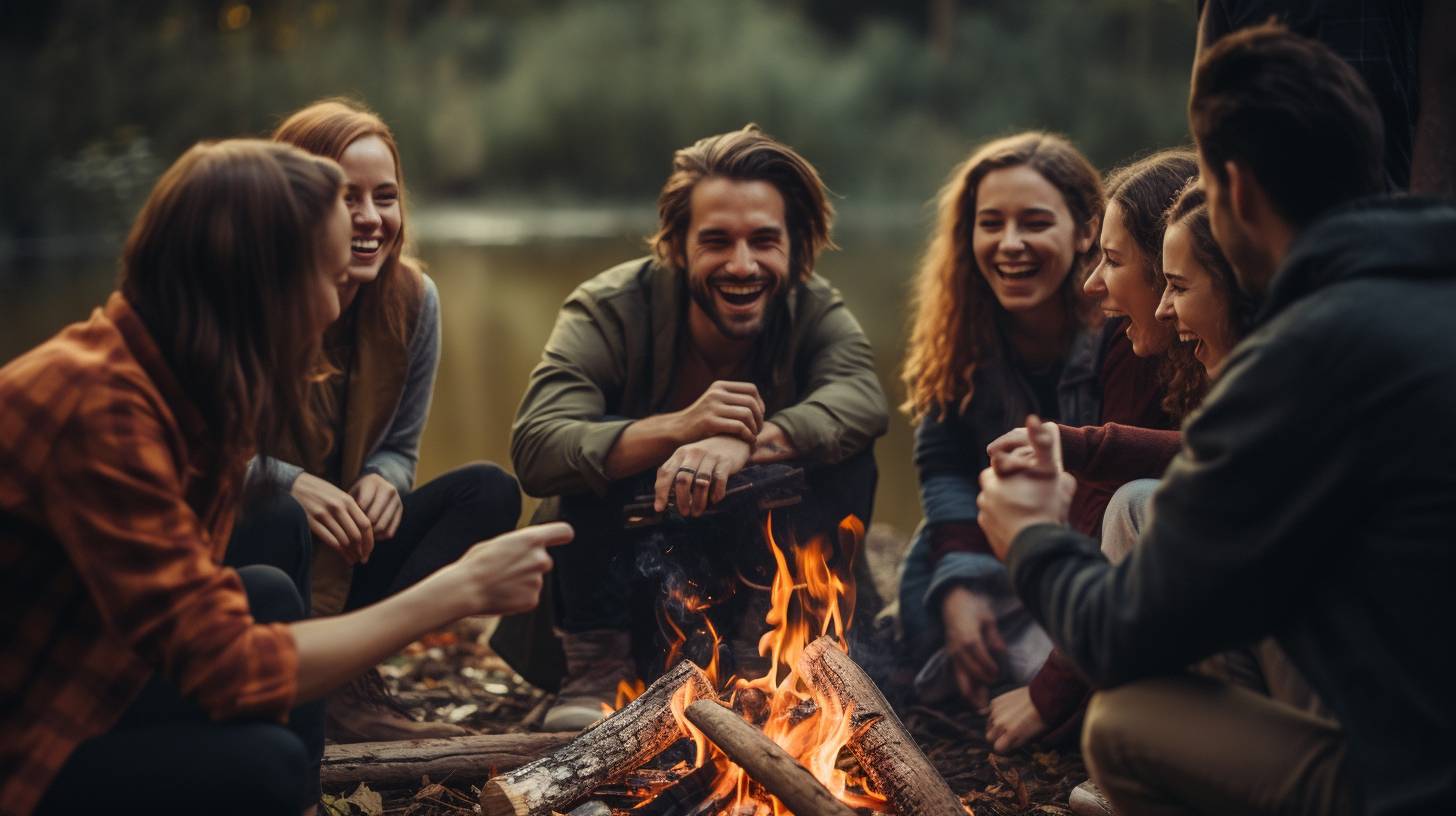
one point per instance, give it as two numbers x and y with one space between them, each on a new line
1311 501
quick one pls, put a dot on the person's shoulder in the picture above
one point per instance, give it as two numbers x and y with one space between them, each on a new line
817 292
629 279
85 369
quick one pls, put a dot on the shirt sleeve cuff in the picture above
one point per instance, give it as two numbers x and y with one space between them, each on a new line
590 457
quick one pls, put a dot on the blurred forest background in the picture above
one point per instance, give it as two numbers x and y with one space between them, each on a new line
535 134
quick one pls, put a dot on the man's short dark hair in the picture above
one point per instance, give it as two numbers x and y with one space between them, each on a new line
1296 114
747 154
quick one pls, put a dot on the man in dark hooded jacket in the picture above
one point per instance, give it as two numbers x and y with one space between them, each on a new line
1314 500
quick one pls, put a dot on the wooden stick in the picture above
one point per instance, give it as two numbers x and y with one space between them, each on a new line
880 742
765 761
601 754
403 762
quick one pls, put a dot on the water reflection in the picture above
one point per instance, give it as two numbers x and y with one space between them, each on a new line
499 298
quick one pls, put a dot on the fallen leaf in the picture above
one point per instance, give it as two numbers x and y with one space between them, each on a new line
369 802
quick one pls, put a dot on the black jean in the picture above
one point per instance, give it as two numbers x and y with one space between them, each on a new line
442 519
609 577
166 756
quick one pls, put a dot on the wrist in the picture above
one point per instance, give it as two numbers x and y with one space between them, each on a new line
674 429
444 596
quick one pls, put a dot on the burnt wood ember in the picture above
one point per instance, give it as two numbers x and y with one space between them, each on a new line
885 750
603 753
767 763
753 704
803 711
686 797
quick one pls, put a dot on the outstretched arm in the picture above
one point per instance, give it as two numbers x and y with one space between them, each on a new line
496 577
1259 486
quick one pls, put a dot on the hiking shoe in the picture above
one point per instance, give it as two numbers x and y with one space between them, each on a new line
1087 800
365 711
596 662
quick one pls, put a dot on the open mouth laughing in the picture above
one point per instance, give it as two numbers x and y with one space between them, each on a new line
365 249
1017 271
740 292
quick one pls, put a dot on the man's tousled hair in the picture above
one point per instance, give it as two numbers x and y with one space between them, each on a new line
1296 114
747 154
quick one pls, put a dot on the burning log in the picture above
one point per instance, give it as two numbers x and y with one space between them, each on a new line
766 762
601 754
885 750
388 764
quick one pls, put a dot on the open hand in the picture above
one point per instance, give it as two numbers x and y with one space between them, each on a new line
695 477
335 518
1013 721
726 408
972 641
380 502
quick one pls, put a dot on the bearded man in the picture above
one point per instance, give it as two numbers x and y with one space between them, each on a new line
672 373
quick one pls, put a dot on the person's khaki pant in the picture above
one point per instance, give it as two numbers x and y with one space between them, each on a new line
1196 744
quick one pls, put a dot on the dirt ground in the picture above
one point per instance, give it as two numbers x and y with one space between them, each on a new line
454 676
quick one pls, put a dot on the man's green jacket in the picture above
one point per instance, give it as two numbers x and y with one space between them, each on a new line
611 358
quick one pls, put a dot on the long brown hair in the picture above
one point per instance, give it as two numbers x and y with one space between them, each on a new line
1190 211
327 128
955 311
220 265
747 154
1143 190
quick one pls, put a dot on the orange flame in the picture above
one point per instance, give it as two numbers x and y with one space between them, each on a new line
808 599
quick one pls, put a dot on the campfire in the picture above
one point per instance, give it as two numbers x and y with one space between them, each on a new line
763 746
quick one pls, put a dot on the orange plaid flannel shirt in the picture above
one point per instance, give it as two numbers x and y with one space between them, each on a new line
113 521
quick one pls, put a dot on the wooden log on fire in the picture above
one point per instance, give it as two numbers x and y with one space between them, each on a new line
641 730
884 748
403 762
770 765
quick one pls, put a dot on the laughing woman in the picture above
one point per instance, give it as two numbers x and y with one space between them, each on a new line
1002 329
1128 283
141 676
372 532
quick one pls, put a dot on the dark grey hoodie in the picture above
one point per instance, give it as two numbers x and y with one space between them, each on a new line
1314 501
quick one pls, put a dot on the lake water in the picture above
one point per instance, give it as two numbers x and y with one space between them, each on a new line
501 280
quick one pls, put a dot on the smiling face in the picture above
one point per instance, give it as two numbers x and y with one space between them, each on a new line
1193 302
737 254
1024 238
1120 283
372 194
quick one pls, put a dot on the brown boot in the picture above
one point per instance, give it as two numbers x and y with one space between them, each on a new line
596 661
364 711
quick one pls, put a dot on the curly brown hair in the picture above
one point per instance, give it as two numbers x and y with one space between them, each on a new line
955 313
1143 190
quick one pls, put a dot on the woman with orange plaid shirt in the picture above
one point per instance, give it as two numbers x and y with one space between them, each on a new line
137 674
